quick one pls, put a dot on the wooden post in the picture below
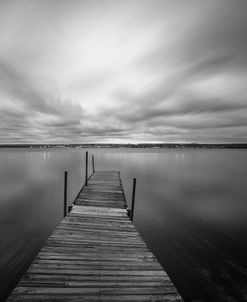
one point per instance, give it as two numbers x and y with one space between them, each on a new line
93 163
65 194
133 199
86 168
70 208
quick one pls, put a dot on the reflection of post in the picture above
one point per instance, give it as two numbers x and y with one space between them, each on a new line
86 168
65 194
133 199
93 163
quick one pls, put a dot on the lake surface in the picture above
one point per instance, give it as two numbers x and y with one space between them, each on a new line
191 209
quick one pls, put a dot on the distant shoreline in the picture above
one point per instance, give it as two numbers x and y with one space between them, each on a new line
142 146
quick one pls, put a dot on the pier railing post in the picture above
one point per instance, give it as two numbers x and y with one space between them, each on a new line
65 193
93 163
86 168
70 208
133 200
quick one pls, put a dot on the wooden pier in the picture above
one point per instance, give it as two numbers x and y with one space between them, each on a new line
96 254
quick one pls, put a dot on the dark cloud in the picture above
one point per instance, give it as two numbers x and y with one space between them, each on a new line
162 102
30 110
32 94
32 114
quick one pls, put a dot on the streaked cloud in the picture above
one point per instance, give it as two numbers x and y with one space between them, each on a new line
123 71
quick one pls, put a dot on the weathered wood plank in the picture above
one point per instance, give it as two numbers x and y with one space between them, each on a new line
96 254
80 298
88 291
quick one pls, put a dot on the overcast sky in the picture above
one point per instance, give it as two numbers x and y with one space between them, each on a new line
75 71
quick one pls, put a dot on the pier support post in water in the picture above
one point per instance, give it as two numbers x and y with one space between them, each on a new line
133 200
65 194
70 208
86 168
93 163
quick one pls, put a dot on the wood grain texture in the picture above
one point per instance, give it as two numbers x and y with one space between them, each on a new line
96 254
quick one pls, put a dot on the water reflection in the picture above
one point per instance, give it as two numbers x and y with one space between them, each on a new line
179 157
190 207
47 155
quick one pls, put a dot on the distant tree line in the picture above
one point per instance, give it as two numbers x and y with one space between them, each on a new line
143 145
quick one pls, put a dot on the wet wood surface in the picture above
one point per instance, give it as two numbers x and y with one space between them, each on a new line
96 254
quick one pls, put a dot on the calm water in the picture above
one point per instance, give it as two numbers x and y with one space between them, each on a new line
191 208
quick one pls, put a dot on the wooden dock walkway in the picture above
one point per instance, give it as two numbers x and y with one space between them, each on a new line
96 254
